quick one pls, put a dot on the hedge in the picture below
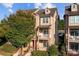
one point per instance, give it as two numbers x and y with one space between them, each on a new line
53 51
39 53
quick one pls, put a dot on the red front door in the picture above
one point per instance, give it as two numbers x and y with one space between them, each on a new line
33 43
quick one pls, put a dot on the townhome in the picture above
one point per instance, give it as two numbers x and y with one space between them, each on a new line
71 18
46 28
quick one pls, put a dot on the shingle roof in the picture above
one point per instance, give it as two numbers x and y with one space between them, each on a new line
41 12
69 12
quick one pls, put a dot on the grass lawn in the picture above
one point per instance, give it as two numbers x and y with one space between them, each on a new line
7 49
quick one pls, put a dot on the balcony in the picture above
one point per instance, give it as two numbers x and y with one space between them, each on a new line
43 37
74 39
44 25
74 24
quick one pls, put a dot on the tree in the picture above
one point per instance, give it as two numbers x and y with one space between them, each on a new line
3 30
21 28
61 24
53 50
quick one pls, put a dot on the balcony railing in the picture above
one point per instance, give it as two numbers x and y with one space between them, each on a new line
45 23
73 24
73 39
43 37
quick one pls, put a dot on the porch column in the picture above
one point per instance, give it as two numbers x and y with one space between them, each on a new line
68 38
35 44
38 44
37 39
49 40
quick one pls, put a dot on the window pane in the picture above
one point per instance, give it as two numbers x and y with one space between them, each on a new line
72 19
45 44
74 6
76 46
72 46
77 19
74 32
45 31
46 19
43 20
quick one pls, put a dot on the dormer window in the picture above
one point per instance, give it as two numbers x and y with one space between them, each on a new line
74 7
47 11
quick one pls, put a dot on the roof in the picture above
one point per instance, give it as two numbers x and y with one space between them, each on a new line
41 12
73 13
69 12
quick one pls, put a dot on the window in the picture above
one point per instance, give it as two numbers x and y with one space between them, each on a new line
45 32
74 46
45 19
74 32
45 44
74 6
74 19
47 10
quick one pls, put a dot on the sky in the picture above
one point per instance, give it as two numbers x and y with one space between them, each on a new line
8 8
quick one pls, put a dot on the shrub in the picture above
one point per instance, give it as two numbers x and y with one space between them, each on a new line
63 51
53 50
39 53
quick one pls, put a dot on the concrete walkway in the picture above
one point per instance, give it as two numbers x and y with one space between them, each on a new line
26 51
29 52
18 52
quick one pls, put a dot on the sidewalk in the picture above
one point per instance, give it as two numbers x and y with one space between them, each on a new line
28 53
24 51
18 52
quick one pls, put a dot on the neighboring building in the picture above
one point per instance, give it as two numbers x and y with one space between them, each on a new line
71 18
46 28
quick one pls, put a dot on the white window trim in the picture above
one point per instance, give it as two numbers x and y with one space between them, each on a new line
45 20
73 20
